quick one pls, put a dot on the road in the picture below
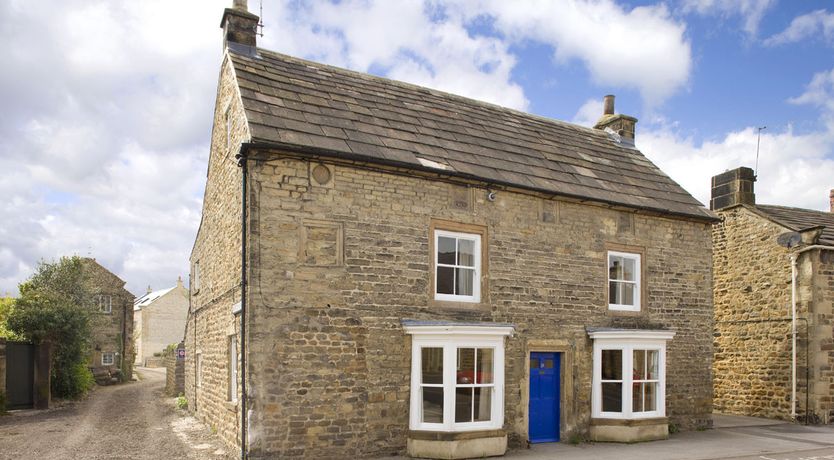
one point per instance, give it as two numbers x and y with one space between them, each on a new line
129 421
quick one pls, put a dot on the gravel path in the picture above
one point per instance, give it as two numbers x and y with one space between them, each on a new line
129 421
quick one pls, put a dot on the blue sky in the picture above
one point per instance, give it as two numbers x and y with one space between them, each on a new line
108 103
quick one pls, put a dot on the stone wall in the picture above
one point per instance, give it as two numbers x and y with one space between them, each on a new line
217 250
820 277
329 363
174 372
752 276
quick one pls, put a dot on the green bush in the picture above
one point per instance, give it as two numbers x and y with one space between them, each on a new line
182 402
75 383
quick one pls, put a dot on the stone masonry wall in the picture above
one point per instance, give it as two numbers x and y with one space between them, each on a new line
336 266
108 328
163 322
821 281
217 250
752 276
174 372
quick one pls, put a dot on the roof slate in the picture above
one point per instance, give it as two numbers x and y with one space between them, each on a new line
301 103
798 219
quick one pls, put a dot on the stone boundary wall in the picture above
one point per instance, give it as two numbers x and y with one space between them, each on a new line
174 372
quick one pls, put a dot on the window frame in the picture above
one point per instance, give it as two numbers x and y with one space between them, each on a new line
112 358
628 342
105 303
450 339
638 280
195 277
198 369
477 267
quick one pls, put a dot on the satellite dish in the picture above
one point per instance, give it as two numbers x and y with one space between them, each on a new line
789 239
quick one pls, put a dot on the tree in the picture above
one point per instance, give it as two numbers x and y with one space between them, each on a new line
6 307
54 306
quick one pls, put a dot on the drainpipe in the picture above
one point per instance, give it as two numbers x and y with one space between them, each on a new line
244 419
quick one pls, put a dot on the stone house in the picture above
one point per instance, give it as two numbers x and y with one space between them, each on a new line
158 321
384 268
774 305
112 326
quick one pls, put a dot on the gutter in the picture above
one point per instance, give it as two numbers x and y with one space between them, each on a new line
244 418
328 153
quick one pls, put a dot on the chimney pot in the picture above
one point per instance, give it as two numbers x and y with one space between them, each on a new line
240 5
179 281
608 105
149 289
831 199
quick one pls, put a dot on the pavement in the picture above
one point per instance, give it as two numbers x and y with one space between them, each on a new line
734 437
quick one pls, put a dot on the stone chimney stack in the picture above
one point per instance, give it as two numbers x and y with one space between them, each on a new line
179 281
623 125
239 25
149 289
732 188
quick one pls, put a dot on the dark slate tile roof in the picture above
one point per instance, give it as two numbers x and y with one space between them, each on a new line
314 106
798 219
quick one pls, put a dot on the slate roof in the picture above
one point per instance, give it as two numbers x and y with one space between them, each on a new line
293 103
798 219
150 298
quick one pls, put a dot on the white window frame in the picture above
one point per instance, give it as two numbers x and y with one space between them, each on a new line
636 257
478 268
112 359
232 396
105 303
450 339
627 342
195 278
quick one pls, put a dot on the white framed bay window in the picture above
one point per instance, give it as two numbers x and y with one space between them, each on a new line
457 376
629 380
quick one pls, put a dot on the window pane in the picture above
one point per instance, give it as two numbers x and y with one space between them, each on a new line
466 252
614 293
445 280
639 365
651 357
463 405
644 397
445 250
615 267
612 365
612 397
629 269
432 365
627 294
534 363
483 404
432 405
484 365
548 363
465 281
466 365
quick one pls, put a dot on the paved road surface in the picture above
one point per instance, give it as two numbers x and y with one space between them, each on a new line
129 421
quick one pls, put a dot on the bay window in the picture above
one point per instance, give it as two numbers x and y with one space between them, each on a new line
457 376
629 379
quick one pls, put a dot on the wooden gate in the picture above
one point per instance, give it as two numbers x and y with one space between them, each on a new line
20 375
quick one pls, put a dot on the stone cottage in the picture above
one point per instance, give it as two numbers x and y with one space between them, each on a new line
112 325
158 321
774 305
384 268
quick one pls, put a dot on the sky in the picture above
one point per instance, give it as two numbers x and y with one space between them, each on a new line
107 104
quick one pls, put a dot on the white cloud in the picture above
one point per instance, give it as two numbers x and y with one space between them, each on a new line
750 11
819 92
589 113
815 24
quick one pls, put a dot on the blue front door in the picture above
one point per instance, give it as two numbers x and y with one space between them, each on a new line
544 397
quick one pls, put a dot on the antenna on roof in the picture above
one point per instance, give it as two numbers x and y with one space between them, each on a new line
758 141
260 27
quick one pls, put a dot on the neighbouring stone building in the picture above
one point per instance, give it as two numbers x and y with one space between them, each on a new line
430 274
773 268
159 320
112 325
